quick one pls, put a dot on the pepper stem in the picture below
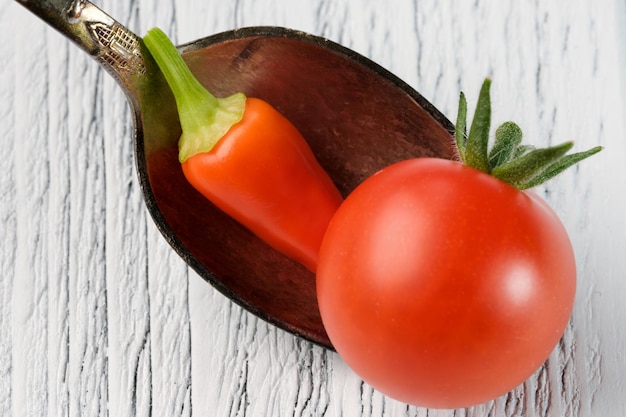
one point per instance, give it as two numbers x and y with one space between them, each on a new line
204 118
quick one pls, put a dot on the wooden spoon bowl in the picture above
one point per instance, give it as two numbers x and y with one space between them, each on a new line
356 116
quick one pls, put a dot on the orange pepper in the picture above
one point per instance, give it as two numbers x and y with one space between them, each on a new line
250 161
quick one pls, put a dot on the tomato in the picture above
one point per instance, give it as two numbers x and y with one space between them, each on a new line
442 286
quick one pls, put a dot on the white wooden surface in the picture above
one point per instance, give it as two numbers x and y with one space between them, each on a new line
99 317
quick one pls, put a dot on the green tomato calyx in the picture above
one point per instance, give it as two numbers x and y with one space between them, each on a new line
204 118
521 166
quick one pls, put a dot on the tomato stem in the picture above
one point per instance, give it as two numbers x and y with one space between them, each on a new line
204 118
478 138
521 166
461 126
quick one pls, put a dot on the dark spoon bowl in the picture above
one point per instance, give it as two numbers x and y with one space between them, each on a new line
356 116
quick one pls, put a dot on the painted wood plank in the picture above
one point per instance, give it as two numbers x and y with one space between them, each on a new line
8 217
29 299
58 320
88 339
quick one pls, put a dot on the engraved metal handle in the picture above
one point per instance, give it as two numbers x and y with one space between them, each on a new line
109 42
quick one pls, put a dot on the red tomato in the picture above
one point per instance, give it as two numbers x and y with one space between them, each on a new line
442 286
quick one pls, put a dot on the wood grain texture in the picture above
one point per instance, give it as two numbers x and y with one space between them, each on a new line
98 317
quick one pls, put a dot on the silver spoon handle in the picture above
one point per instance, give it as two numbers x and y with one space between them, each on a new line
109 42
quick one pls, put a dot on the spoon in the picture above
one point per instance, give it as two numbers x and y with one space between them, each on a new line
356 116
